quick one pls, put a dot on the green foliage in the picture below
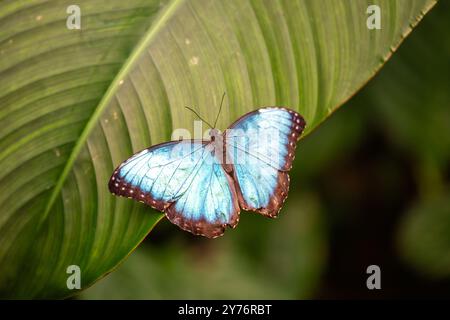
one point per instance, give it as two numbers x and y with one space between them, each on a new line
74 104
417 79
263 259
424 237
411 99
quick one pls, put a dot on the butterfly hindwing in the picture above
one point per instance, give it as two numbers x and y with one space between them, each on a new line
261 147
185 180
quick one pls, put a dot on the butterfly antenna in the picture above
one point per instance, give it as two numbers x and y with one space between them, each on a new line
220 109
195 112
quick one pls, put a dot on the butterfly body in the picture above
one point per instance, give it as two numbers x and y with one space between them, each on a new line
201 185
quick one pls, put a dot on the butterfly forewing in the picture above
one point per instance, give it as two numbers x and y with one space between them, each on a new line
261 147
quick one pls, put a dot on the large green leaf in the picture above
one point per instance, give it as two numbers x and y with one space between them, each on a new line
75 103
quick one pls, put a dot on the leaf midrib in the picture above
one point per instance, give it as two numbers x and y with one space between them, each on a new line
150 34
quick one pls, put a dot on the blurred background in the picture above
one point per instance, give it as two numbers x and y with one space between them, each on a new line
370 186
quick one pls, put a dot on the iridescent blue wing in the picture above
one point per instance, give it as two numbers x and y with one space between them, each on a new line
260 148
185 180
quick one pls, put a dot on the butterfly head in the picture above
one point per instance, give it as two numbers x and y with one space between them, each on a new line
214 134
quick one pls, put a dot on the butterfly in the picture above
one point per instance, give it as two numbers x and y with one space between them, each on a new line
201 185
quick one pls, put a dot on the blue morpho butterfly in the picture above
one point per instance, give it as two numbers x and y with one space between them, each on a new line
201 185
